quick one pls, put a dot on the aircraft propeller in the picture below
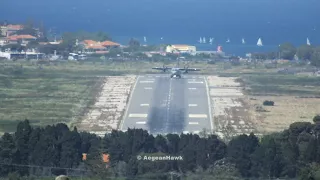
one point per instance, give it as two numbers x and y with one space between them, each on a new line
164 68
186 68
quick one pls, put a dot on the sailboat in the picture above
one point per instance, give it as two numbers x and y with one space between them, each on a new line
211 40
228 40
243 42
308 42
204 40
200 41
259 43
145 39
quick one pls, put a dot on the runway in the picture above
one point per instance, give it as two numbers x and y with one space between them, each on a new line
163 105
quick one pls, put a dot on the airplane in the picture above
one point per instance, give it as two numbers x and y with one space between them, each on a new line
176 71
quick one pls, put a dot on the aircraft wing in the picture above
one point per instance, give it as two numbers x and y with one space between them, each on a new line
161 68
189 69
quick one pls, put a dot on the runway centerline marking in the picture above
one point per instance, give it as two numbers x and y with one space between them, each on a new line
148 88
193 123
138 115
198 116
192 88
144 104
141 122
193 105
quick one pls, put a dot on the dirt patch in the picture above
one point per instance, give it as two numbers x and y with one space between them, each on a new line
230 107
107 111
287 110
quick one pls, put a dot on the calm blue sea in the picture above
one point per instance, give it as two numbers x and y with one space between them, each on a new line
179 21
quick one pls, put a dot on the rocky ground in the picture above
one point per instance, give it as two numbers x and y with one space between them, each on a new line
230 110
110 105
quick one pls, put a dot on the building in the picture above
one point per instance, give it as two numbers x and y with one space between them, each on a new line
90 46
23 39
180 48
10 29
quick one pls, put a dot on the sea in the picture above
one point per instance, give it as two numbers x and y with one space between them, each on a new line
179 21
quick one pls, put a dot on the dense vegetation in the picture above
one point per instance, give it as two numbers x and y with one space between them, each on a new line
288 51
295 152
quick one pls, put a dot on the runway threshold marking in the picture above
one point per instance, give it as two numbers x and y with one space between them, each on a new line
138 115
193 123
193 105
144 104
198 116
141 122
195 82
146 81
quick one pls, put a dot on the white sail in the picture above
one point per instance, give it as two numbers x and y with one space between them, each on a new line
144 39
259 43
211 40
308 42
243 42
228 40
204 40
200 41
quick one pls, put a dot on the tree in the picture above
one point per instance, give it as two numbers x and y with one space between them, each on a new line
315 58
7 154
134 43
316 119
305 52
287 51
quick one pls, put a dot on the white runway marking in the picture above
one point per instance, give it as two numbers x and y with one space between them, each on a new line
151 79
138 115
141 122
144 104
146 81
193 105
148 88
192 88
198 116
129 103
195 82
193 123
157 76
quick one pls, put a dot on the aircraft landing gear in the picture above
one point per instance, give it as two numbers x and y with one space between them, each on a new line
171 76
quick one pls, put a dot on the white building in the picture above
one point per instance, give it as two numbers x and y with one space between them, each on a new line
179 48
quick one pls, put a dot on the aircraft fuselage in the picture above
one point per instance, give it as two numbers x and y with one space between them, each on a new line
176 73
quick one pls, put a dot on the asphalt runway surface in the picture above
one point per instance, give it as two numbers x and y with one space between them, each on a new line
163 105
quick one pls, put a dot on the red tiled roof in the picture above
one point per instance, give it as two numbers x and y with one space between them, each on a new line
109 43
21 37
94 46
15 27
88 42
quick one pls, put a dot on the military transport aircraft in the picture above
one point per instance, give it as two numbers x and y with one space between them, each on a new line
176 71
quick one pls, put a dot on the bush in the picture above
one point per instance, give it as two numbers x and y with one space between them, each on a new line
268 103
316 119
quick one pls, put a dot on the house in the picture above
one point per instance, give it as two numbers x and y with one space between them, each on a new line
91 46
24 39
10 29
181 48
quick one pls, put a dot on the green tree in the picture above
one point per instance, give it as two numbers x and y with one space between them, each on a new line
305 52
315 58
287 51
22 136
7 154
